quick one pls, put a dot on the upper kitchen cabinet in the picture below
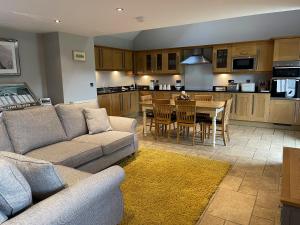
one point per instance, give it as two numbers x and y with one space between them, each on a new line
222 59
244 49
171 61
139 62
265 56
287 49
113 59
157 61
128 57
149 62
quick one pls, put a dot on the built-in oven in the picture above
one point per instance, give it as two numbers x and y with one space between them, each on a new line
286 79
244 63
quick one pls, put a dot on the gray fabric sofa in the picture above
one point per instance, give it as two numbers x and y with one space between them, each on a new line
59 134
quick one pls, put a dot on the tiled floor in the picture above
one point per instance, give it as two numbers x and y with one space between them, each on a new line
250 192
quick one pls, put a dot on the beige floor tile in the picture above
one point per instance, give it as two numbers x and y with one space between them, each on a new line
268 199
265 213
211 220
260 221
231 223
231 182
232 206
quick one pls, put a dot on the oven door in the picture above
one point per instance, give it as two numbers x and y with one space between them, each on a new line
244 63
286 72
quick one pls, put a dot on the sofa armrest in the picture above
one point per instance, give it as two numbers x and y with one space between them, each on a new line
96 200
123 124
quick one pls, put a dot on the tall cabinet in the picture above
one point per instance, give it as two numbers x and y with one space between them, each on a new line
287 49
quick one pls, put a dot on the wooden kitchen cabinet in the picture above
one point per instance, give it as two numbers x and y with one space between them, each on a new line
244 49
297 112
106 58
222 59
97 58
139 62
118 59
265 56
282 111
171 61
134 103
260 107
116 104
287 49
128 65
243 106
104 102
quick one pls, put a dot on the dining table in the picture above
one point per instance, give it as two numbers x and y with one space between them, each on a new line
213 108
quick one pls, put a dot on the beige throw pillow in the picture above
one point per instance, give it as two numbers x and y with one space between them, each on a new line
97 120
15 193
41 175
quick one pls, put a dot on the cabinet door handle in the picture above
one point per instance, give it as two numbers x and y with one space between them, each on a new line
252 104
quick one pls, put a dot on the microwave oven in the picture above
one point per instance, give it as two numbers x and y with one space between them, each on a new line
244 63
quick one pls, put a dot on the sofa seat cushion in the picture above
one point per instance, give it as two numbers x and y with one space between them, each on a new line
68 113
71 176
33 128
5 144
68 153
110 141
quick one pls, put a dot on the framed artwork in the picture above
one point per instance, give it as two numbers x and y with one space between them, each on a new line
9 57
79 56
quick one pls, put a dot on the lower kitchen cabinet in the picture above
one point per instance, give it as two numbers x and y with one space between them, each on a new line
260 107
297 112
243 106
120 104
283 111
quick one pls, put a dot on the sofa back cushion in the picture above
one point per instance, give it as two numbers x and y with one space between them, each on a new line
41 175
33 128
5 144
72 117
15 192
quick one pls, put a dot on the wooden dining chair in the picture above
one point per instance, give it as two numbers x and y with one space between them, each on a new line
163 116
175 96
186 118
222 124
204 98
149 112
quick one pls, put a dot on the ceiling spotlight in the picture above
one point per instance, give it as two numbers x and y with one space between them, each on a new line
57 21
119 9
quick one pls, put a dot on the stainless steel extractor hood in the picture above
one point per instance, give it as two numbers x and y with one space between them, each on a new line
196 58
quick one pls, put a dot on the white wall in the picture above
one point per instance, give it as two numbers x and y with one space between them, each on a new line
258 27
115 42
31 61
77 75
113 79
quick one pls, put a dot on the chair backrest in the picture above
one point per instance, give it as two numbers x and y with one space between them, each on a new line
205 98
226 111
174 96
146 98
162 110
185 112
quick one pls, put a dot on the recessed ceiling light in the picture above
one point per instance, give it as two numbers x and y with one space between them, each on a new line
119 9
57 21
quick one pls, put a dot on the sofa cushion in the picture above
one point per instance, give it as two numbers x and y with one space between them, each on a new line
71 176
68 153
15 193
110 141
69 113
5 144
41 175
33 128
97 120
3 217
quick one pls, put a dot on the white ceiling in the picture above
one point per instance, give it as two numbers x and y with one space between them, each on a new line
99 17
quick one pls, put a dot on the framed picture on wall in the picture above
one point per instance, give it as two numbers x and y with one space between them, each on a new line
79 56
9 57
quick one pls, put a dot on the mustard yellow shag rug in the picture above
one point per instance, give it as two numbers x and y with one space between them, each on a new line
168 188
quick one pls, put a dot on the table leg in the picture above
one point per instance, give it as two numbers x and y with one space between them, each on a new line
214 130
144 122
